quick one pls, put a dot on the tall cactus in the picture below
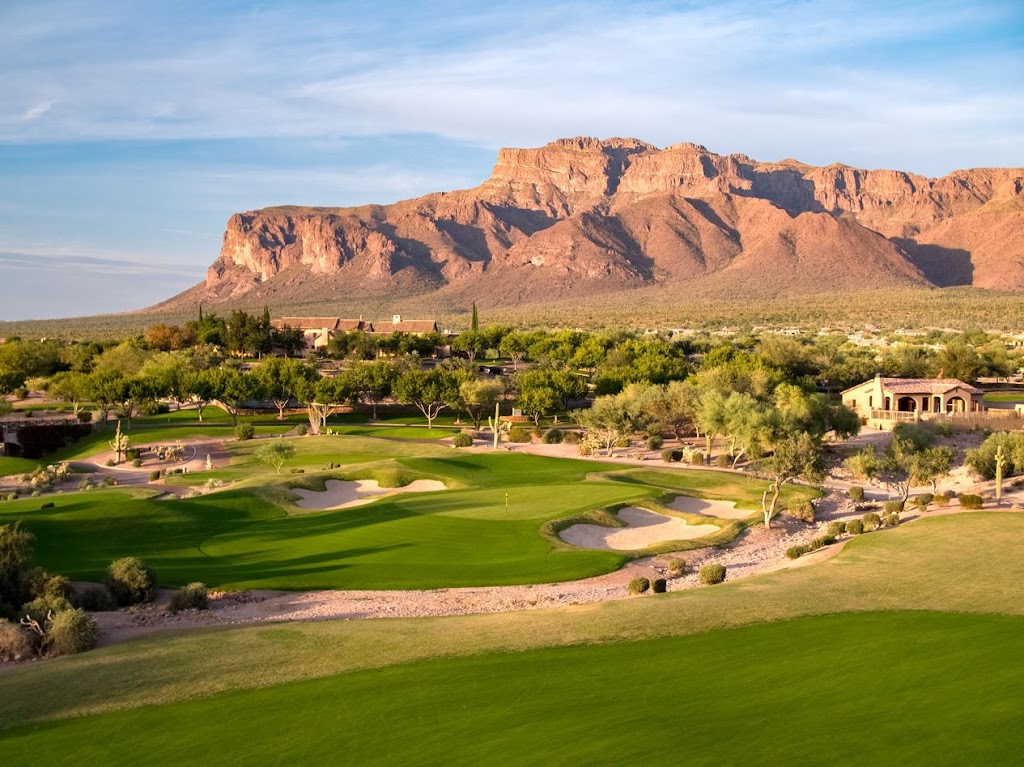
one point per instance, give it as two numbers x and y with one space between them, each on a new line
1000 465
119 443
495 424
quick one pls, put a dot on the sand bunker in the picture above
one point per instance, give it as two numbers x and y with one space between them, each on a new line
645 528
720 509
340 494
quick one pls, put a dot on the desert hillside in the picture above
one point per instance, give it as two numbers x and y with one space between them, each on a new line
586 216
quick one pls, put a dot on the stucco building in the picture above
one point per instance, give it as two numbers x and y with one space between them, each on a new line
905 399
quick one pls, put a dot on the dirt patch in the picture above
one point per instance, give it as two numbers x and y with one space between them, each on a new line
645 528
341 494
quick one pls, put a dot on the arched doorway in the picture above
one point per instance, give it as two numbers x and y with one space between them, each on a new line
906 404
956 405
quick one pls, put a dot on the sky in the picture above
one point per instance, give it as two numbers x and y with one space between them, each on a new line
131 131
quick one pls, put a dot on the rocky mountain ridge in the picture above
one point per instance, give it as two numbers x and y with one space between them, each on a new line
584 215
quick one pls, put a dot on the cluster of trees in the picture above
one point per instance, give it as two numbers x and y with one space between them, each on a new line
911 458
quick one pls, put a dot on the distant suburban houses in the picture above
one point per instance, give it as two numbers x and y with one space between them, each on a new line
318 331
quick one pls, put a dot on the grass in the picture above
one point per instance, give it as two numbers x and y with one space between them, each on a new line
1004 396
830 679
10 465
714 485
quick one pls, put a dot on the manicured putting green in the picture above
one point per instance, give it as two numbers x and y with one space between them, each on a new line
873 689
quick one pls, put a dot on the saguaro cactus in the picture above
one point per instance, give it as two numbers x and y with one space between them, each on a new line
1000 465
495 425
119 443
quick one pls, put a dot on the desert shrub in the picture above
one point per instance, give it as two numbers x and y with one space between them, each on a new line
154 475
795 552
711 574
109 462
44 584
552 437
676 567
659 586
462 440
96 599
70 632
892 520
571 437
856 493
892 506
191 597
296 470
518 434
940 500
836 528
655 441
132 454
855 527
639 585
301 429
802 510
968 501
136 462
923 500
15 643
822 540
722 461
244 431
671 456
131 581
942 428
586 448
623 442
871 520
47 505
696 458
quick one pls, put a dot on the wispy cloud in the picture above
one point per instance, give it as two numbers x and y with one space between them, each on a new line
37 111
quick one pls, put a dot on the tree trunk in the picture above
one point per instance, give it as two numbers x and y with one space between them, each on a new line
769 509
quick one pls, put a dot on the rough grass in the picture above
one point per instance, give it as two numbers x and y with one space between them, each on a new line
715 485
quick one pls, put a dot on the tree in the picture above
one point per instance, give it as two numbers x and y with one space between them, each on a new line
542 392
200 387
893 467
70 387
275 453
232 388
279 379
15 562
479 396
515 346
959 360
429 390
711 416
797 456
609 419
106 388
287 339
323 397
932 464
372 381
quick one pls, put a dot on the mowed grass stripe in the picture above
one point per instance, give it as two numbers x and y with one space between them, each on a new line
874 689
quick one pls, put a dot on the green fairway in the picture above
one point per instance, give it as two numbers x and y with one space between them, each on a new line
10 465
853 689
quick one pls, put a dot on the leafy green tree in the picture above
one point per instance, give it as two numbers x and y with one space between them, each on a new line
275 453
516 346
373 381
323 397
429 390
796 456
959 360
280 378
543 392
609 419
106 388
70 387
932 464
15 563
200 387
233 388
479 395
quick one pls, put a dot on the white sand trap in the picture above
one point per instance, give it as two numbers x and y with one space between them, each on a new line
720 509
340 494
645 528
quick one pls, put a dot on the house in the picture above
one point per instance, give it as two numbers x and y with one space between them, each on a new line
883 401
317 331
398 325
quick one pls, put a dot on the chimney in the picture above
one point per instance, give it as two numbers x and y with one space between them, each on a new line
396 318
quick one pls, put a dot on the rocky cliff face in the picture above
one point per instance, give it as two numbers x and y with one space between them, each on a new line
584 215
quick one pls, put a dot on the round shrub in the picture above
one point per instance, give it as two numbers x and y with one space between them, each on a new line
192 597
244 431
69 632
639 585
518 434
655 441
795 552
871 520
15 643
552 437
722 461
696 458
301 429
462 440
892 507
802 510
855 527
940 500
923 500
130 581
856 493
671 456
968 501
892 520
96 600
711 574
40 608
822 540
571 437
676 567
154 475
659 585
836 528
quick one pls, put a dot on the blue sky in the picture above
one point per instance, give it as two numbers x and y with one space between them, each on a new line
131 131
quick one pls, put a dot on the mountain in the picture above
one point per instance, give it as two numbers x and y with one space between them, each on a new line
585 216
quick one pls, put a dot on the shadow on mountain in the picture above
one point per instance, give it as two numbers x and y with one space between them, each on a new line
945 267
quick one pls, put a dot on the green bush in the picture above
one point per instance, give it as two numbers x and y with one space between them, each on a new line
795 552
856 493
802 510
301 429
696 458
836 528
518 434
192 597
43 584
892 520
40 608
462 440
154 475
15 643
96 600
671 456
552 437
870 520
639 585
659 586
676 567
130 581
892 507
655 441
722 461
571 437
70 632
923 500
968 501
822 540
940 500
854 527
47 505
244 431
711 574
